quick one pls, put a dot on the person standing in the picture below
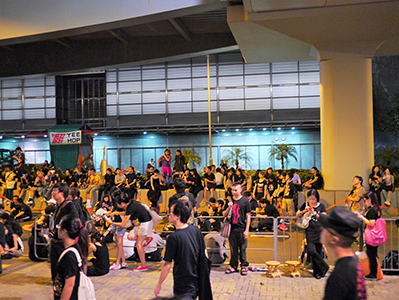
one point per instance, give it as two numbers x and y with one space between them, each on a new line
185 247
166 169
340 230
64 207
240 222
313 231
20 158
75 238
370 217
135 210
180 164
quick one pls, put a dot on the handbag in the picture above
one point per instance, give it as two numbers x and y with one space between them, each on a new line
226 225
376 235
303 221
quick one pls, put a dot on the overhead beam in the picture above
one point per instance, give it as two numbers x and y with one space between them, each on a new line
62 43
179 26
120 35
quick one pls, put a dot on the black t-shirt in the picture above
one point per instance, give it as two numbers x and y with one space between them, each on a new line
271 187
173 199
131 177
67 267
26 209
292 191
109 179
70 179
347 281
102 259
240 209
66 208
313 231
137 211
210 177
271 211
239 178
318 184
182 247
254 204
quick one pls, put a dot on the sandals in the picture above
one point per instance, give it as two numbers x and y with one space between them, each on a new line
231 271
244 271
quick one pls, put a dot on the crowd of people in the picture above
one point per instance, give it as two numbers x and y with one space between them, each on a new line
251 203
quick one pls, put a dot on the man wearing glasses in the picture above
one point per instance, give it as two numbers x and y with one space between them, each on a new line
64 207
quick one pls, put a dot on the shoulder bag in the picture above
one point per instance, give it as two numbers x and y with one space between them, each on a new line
226 225
376 235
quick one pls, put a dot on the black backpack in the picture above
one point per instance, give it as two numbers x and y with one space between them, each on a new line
391 262
84 215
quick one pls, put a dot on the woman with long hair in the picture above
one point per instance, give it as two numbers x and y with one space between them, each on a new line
313 231
196 183
260 188
316 182
135 210
375 180
165 163
372 213
67 277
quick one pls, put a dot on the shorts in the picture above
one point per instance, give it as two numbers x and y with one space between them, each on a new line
145 228
120 230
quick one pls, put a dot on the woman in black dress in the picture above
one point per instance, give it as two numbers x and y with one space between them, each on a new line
313 232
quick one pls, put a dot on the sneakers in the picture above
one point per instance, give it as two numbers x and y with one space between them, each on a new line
114 266
141 269
370 278
124 265
387 203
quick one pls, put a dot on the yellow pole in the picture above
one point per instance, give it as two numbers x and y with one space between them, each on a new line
209 112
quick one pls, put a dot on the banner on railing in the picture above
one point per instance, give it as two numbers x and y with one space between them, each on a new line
66 138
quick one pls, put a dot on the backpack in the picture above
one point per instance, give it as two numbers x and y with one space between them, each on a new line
84 215
86 288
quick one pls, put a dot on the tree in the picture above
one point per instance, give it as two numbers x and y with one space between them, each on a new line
191 156
237 154
282 152
386 119
386 155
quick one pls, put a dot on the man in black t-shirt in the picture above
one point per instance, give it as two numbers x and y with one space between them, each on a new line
180 185
64 207
288 198
210 182
240 221
184 247
340 230
22 211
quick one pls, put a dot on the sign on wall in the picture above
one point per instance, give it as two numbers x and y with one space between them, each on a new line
66 138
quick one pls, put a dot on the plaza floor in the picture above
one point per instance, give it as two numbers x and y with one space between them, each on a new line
24 279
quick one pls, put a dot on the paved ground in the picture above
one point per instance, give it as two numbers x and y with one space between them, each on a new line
23 279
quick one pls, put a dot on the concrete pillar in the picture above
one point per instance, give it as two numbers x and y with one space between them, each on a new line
346 114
